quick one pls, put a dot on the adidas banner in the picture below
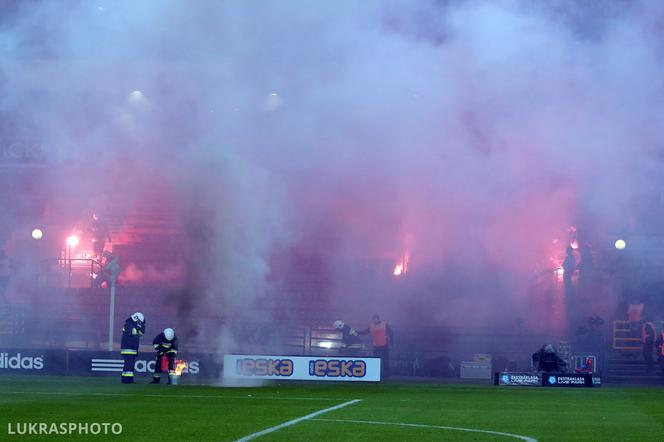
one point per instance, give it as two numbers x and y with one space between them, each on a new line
97 363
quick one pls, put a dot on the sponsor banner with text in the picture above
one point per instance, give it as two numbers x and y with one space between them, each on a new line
571 380
523 379
302 368
111 363
548 379
98 363
26 361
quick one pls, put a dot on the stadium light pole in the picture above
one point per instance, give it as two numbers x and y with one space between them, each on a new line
111 315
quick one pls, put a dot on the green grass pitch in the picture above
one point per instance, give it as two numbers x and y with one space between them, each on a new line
385 412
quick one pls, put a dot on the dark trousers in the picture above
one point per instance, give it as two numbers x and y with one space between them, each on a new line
157 364
128 369
350 350
383 354
648 347
569 288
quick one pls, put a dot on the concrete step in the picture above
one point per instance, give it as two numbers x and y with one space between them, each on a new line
652 379
633 370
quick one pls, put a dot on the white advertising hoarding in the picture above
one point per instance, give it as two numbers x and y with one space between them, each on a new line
302 368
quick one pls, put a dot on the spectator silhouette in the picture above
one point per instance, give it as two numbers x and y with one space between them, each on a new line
586 266
5 272
569 266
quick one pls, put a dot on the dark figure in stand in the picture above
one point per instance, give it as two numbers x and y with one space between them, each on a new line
5 273
99 234
569 266
109 271
586 266
660 350
546 359
648 334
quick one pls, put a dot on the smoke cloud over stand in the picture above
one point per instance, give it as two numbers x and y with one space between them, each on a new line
332 141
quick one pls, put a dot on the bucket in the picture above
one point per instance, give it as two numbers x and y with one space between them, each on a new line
174 379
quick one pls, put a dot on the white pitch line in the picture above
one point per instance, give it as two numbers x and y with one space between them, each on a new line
440 427
295 421
201 396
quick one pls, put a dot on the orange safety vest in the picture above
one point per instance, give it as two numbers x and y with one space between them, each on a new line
379 334
644 331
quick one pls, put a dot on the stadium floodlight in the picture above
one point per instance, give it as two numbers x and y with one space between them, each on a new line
620 244
37 234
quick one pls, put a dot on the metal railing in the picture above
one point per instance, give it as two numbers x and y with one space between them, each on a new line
627 335
70 266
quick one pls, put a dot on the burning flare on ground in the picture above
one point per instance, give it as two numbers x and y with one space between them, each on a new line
180 366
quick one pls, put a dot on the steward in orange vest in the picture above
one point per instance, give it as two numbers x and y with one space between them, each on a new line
381 338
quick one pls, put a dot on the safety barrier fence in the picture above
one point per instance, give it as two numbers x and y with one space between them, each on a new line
627 335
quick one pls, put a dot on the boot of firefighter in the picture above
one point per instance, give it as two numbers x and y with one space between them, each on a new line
155 379
127 377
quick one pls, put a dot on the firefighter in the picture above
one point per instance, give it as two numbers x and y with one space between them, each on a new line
381 338
350 339
132 331
165 343
648 334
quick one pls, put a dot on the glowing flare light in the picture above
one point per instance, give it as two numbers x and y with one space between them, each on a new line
180 366
72 241
401 267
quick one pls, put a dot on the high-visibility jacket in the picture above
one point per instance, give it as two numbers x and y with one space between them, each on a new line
131 336
379 334
648 332
163 345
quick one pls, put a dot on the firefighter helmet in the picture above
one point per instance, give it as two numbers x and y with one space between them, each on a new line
338 324
138 317
169 334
